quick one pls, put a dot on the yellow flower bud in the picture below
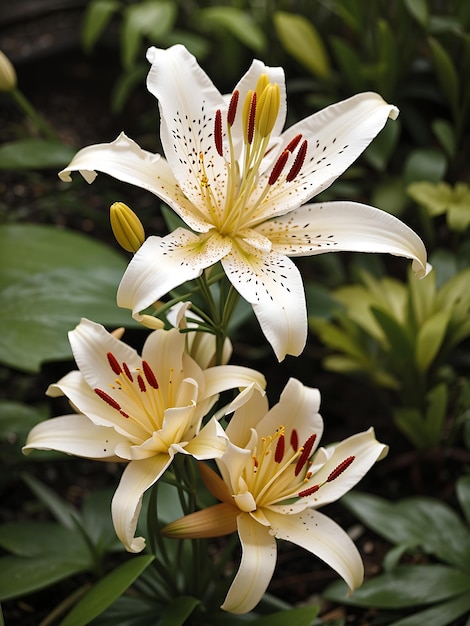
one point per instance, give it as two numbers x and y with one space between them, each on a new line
149 321
268 109
126 226
7 73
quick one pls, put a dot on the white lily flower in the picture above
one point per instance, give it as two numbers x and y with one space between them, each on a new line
141 410
274 476
239 183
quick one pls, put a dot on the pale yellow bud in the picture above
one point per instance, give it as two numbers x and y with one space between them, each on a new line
126 226
7 74
149 321
268 109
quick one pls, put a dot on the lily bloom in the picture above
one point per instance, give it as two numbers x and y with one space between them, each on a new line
138 409
273 478
239 184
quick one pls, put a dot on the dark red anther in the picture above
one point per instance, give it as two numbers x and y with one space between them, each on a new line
108 399
218 132
293 143
141 383
309 491
280 446
298 162
113 363
305 454
232 107
251 119
149 375
340 469
278 167
127 372
294 440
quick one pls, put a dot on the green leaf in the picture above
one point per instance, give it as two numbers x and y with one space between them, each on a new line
419 10
145 19
425 164
445 133
379 152
49 279
35 154
404 586
97 16
446 73
44 553
237 22
178 610
397 337
430 338
64 512
463 494
436 411
302 41
441 615
17 419
97 522
106 591
413 425
349 62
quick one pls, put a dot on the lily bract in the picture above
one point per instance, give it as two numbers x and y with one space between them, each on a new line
141 410
273 478
240 182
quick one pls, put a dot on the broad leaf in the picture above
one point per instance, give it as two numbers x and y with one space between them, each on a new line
178 611
35 154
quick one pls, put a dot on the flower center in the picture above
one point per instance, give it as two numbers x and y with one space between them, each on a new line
248 185
136 394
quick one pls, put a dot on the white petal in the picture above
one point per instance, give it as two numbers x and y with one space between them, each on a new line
273 285
74 434
162 264
127 501
321 536
336 136
188 101
256 568
224 377
296 410
126 161
209 443
344 226
245 418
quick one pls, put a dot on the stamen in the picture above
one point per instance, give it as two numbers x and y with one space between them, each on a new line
232 107
309 491
218 132
113 363
127 372
141 382
340 469
280 446
278 167
251 119
306 451
149 375
294 440
107 398
293 143
299 161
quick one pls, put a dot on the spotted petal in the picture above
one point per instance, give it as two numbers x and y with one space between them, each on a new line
163 263
344 226
256 568
318 534
126 161
273 285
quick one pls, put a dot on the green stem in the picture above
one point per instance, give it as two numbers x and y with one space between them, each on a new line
25 105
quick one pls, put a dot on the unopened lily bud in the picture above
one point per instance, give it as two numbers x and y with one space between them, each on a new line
268 109
149 321
7 73
126 226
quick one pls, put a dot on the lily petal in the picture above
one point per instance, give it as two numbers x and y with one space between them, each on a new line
273 285
256 568
163 263
127 501
245 418
74 434
215 521
321 536
223 377
344 226
209 443
126 161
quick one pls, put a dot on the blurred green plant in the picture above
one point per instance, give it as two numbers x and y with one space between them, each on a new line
426 577
442 199
402 337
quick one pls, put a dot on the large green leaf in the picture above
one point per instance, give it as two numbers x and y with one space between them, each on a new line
440 615
404 586
97 15
49 279
35 154
235 21
178 610
106 591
